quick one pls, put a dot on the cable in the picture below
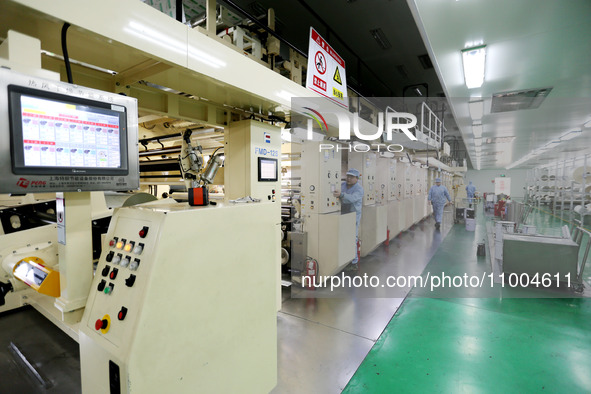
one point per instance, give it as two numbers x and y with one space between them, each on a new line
65 52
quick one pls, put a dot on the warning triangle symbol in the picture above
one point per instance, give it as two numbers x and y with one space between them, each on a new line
337 76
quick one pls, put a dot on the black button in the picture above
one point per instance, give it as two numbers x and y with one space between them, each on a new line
130 281
101 286
105 271
109 257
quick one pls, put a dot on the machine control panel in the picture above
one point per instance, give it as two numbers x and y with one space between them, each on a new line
322 178
392 180
117 274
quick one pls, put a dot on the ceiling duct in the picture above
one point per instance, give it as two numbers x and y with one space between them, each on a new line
518 100
380 37
425 61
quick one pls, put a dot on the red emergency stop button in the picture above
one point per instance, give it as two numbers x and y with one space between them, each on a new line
143 232
101 324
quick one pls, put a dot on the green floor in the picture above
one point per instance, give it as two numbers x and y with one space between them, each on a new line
480 345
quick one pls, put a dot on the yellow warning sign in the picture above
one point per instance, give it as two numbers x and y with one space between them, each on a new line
337 93
337 76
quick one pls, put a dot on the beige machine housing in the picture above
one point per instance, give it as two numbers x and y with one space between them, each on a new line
199 313
331 235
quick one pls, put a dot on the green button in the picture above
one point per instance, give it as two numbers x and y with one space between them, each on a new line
107 290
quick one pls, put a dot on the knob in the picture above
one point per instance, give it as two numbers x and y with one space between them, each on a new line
105 271
130 281
122 313
101 285
101 324
109 257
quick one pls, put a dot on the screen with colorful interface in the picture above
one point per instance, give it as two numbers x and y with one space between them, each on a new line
58 135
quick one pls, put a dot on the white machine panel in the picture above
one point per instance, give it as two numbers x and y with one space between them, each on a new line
168 296
382 180
321 178
253 161
366 164
393 184
409 189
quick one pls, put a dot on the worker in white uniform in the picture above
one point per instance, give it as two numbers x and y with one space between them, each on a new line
438 195
351 196
470 190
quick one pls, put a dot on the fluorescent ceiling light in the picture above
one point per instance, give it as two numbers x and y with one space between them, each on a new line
478 149
477 141
476 109
477 130
473 60
587 125
570 135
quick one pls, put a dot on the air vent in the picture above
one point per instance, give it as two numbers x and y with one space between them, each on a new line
402 71
500 140
495 153
425 61
518 100
380 37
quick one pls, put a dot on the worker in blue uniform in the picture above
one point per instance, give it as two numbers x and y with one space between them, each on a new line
438 195
351 196
470 190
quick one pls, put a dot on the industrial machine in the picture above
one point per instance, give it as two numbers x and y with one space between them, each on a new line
163 273
330 233
374 222
165 305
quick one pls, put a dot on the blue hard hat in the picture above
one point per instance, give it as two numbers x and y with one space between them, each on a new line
354 172
437 180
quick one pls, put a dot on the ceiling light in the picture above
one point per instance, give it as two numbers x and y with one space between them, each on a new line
587 125
477 130
473 60
478 149
380 37
570 135
477 141
476 109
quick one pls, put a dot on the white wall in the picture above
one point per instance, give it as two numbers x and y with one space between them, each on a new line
483 180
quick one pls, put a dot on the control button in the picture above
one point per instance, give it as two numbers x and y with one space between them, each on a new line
119 244
113 242
106 270
101 285
138 249
101 324
109 257
143 232
109 289
117 258
113 274
122 313
129 246
125 261
130 281
134 264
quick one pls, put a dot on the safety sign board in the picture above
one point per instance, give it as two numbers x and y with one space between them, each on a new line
326 70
